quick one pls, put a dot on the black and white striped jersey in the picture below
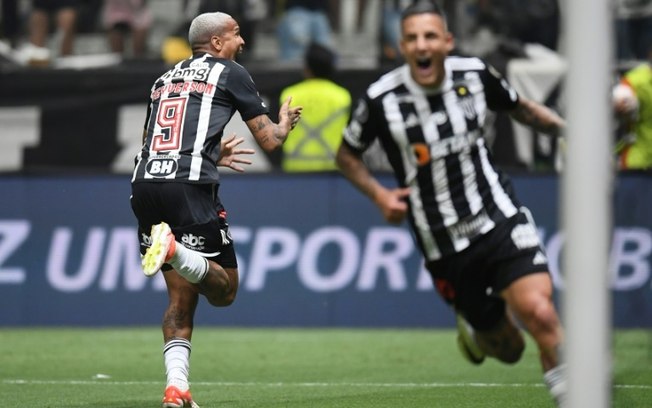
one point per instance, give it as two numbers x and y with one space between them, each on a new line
434 140
189 106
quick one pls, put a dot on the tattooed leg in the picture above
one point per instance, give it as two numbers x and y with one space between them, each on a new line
179 316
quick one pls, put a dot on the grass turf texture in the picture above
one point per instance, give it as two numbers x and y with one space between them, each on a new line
314 368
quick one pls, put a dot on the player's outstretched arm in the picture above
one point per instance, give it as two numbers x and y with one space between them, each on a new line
270 135
539 117
392 203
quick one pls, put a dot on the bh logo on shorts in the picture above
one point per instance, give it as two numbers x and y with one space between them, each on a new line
161 167
193 241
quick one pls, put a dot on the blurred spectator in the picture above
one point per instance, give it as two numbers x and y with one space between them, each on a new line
303 22
527 21
633 106
64 13
633 29
127 18
248 13
325 114
175 47
251 13
390 30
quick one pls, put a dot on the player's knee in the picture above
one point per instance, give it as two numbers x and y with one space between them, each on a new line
222 298
229 297
221 286
543 317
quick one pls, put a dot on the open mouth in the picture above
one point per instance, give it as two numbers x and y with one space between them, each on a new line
424 63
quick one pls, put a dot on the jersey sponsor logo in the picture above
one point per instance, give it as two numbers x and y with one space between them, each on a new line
470 226
525 236
162 166
421 153
441 148
188 74
411 121
439 118
195 242
199 64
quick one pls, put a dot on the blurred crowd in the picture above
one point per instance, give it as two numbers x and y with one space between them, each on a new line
37 31
41 33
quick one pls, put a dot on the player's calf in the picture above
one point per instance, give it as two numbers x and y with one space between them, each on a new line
220 286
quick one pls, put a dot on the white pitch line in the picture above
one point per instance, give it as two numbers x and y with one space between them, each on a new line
299 384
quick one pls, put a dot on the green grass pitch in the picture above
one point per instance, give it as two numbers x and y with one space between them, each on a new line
238 367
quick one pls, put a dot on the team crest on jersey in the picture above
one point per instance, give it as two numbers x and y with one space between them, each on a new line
162 166
462 91
465 99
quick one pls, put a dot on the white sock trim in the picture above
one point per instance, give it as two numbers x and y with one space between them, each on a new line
189 263
556 380
176 354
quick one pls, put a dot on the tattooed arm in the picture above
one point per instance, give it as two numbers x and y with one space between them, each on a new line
270 135
537 116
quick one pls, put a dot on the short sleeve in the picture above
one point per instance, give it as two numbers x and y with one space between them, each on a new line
362 128
242 89
499 93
